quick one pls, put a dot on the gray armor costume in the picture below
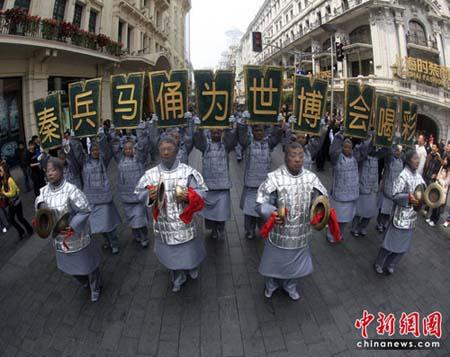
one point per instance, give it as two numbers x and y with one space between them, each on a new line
392 168
398 237
286 253
177 245
130 170
216 172
344 189
104 217
77 255
258 162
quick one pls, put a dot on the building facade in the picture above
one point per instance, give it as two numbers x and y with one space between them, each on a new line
402 47
49 44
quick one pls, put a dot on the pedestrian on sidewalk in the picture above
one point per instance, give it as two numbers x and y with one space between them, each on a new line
177 245
10 193
258 160
216 173
287 255
3 218
37 174
21 153
76 253
398 237
433 164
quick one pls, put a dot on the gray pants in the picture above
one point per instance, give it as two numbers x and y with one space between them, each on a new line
288 285
250 223
111 239
92 280
140 234
359 225
341 228
388 259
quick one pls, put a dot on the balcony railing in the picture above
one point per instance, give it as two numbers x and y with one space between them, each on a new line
18 23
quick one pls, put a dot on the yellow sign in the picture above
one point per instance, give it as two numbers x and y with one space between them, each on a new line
423 71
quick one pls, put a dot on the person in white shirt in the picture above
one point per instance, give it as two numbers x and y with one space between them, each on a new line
422 152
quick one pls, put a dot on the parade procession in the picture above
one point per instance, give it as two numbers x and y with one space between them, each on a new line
197 178
181 206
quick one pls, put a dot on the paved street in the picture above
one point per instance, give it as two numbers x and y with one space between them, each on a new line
46 313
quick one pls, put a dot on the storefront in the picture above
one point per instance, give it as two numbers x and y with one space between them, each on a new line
11 118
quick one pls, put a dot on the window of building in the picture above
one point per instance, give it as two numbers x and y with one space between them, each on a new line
92 21
22 4
119 32
361 35
59 9
2 2
130 37
417 34
344 5
77 14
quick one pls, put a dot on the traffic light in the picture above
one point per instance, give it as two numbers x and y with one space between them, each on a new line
339 52
257 41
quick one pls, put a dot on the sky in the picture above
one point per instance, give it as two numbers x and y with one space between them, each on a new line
210 20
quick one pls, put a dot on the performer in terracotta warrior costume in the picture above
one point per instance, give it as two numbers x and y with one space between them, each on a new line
104 218
216 171
257 147
76 253
398 236
130 168
286 255
177 244
393 165
345 189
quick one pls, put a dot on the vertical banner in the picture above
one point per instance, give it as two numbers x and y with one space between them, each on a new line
85 108
385 120
169 97
263 89
409 122
358 109
310 98
126 99
214 96
48 119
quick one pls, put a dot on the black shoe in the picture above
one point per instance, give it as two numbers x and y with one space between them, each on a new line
378 269
354 234
213 235
249 235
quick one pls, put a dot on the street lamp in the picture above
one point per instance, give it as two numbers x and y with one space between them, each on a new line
331 30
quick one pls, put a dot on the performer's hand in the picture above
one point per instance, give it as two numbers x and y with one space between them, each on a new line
153 194
413 200
182 196
278 219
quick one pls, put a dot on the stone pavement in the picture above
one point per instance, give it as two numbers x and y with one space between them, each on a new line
224 313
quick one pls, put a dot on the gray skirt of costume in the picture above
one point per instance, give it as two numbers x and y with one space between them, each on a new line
345 211
385 204
82 262
285 263
217 206
104 218
366 205
136 214
248 201
397 240
185 256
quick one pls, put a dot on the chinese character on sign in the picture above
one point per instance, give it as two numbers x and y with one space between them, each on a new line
364 322
169 93
409 123
221 105
358 109
310 107
263 92
171 100
84 102
409 324
310 96
126 99
214 93
263 97
48 119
